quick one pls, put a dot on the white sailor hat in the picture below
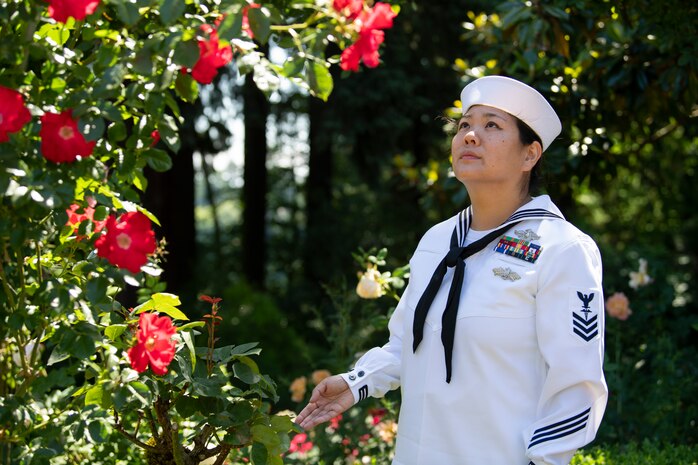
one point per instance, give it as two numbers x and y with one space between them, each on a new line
517 99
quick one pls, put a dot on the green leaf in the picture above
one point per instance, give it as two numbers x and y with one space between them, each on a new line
143 62
167 309
239 436
186 406
168 132
57 355
97 395
186 87
171 11
259 454
247 371
281 423
319 80
210 387
246 349
114 331
98 432
96 289
117 132
293 66
55 31
186 53
110 81
193 324
259 23
227 353
230 27
101 213
157 159
186 335
127 12
265 435
166 298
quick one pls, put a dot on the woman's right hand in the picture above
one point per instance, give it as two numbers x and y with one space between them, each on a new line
329 398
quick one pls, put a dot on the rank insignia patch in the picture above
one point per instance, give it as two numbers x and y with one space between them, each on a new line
506 274
585 316
518 248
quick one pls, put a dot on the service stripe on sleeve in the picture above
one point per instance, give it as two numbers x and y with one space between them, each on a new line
560 429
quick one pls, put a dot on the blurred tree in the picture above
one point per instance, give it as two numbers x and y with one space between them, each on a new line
254 192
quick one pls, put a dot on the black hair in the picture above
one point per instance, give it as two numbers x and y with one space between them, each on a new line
527 136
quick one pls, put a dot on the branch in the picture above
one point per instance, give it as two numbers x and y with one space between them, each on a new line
223 455
201 439
206 453
177 450
153 426
131 437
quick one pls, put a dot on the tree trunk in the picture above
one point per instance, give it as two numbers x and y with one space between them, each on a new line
318 194
254 256
170 196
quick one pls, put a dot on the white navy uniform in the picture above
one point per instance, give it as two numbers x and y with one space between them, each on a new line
527 383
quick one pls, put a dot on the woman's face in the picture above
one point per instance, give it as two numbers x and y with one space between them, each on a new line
487 149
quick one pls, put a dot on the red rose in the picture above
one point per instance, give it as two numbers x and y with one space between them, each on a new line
61 10
128 241
75 218
370 38
365 48
334 422
13 113
300 444
61 140
155 345
155 136
211 57
246 20
379 17
354 7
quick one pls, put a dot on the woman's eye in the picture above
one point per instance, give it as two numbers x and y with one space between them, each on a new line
492 124
463 125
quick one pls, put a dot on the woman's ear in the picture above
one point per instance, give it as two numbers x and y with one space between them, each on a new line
533 153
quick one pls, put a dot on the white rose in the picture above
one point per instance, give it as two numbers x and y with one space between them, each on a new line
369 286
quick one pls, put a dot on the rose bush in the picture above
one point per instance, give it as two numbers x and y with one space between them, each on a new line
89 96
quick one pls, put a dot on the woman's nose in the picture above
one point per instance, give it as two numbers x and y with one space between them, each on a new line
470 137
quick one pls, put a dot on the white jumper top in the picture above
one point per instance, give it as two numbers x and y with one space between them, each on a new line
527 383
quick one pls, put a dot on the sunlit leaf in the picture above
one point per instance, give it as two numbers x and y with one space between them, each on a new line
114 331
319 80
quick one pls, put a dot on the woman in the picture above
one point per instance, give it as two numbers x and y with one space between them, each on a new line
497 342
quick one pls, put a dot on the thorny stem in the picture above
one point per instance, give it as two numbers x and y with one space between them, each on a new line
211 322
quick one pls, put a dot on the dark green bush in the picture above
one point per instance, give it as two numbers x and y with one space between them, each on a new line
646 453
